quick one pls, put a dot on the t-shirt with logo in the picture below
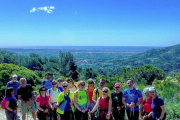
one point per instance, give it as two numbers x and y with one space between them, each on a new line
53 94
132 96
82 99
116 99
15 86
156 107
25 92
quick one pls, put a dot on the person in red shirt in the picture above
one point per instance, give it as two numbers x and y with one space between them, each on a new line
105 104
145 107
42 103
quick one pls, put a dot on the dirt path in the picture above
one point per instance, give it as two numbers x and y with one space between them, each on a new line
3 116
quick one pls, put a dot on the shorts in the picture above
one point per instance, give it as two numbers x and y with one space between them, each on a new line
24 107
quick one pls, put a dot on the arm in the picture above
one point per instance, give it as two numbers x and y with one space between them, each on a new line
75 103
163 112
141 110
19 97
7 106
96 106
109 107
88 102
124 102
94 96
38 106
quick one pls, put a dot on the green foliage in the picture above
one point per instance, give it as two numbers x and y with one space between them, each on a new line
178 77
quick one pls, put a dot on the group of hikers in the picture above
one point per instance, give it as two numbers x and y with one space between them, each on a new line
63 100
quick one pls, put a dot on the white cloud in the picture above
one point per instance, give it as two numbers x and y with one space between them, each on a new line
75 13
45 8
33 10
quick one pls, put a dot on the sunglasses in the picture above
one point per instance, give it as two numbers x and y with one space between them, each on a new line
90 83
117 87
102 82
82 84
42 90
53 84
104 91
65 86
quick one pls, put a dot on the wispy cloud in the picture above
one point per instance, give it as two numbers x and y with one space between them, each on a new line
75 13
45 8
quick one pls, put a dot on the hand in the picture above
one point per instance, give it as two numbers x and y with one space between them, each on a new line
141 117
112 108
83 111
54 105
108 116
15 111
144 117
30 102
89 113
132 105
27 102
52 108
86 109
46 111
118 107
71 103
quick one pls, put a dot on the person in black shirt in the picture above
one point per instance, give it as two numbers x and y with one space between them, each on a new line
117 105
25 94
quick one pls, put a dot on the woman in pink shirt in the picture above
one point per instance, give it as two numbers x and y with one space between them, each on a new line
42 103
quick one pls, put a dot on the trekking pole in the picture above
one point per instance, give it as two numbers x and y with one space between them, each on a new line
27 112
133 113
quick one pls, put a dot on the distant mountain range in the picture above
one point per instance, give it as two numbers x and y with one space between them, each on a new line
166 58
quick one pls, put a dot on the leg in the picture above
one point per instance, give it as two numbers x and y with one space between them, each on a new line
9 115
78 115
122 114
115 114
128 114
85 116
136 115
32 107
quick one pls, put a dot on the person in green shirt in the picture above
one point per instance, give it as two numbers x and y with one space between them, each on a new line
81 102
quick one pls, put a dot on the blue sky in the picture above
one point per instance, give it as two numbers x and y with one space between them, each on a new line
89 22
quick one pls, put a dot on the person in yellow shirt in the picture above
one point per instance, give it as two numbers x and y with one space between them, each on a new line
98 91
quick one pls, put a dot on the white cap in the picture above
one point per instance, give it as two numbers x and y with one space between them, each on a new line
152 89
14 75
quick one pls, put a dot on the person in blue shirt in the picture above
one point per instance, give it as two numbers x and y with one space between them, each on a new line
132 99
47 83
157 105
15 84
59 85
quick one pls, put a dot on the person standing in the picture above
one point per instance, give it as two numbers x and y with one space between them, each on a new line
42 103
68 109
132 99
72 86
47 82
13 83
117 105
104 103
53 95
59 85
26 96
157 105
145 107
98 91
10 104
81 102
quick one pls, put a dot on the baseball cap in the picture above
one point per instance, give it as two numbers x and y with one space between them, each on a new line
117 85
59 80
14 75
151 89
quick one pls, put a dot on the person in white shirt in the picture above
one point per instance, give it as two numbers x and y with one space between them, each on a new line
53 94
72 86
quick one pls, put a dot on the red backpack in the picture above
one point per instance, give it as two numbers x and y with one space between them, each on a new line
3 104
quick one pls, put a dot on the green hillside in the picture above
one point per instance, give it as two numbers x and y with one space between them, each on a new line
167 59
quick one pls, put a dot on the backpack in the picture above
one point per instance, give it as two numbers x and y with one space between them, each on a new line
45 81
97 92
51 89
145 101
3 104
